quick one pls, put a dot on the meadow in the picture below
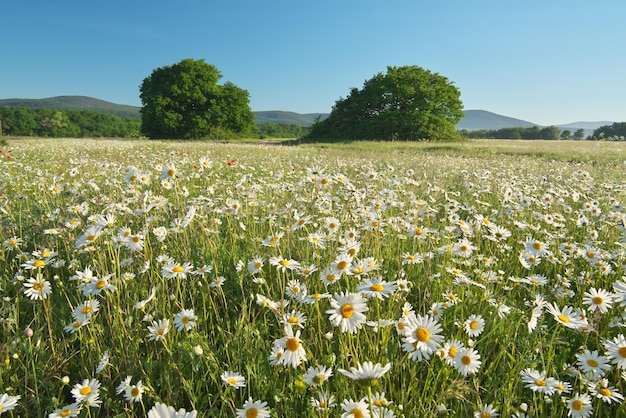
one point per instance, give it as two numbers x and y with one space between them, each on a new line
158 278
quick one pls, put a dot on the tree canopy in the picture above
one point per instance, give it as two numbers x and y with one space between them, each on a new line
184 101
406 103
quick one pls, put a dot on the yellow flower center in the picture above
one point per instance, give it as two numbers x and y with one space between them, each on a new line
171 172
485 415
537 245
86 310
622 351
257 265
466 360
66 412
591 254
135 239
161 331
331 277
422 334
577 405
316 296
347 311
86 390
473 325
540 382
452 352
292 320
356 413
377 287
252 413
593 363
37 286
352 252
134 392
342 265
418 231
292 344
12 243
39 263
185 319
410 257
357 270
598 300
101 284
178 269
284 263
375 224
563 318
90 238
232 381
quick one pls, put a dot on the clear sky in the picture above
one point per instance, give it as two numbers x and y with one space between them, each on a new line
545 61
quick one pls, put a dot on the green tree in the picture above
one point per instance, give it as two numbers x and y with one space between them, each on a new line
566 134
407 103
579 134
184 101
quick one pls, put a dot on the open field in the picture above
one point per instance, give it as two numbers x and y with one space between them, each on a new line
258 280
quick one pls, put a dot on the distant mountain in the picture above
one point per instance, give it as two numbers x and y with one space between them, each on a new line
291 118
481 119
473 119
75 103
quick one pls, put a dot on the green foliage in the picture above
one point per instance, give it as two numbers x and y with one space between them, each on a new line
23 121
406 103
548 133
184 101
281 130
614 132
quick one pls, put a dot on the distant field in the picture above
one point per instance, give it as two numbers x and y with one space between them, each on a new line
256 280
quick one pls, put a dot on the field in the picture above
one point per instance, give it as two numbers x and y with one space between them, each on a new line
357 280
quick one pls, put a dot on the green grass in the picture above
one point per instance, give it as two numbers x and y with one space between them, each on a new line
222 205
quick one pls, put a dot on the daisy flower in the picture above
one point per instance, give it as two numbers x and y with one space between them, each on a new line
366 371
158 329
282 264
86 309
354 409
616 351
566 316
185 320
133 393
330 275
12 243
593 364
67 411
255 265
317 375
602 390
252 408
324 401
421 337
448 352
8 402
538 382
348 311
175 270
99 285
160 410
599 299
486 411
474 325
233 379
580 406
294 353
37 288
293 318
87 392
467 361
376 288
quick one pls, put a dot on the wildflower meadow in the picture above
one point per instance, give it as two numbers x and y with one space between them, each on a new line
191 279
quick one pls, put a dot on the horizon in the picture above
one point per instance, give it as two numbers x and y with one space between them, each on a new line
315 113
536 61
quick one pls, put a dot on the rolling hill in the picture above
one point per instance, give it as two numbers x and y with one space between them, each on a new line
473 119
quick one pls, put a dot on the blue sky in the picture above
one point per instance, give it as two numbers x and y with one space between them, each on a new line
545 61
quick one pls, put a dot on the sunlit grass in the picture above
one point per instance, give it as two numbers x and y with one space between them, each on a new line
174 263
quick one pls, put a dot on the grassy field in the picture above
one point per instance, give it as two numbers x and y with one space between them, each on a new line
355 280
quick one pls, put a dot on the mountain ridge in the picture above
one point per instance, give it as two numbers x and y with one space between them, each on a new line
473 119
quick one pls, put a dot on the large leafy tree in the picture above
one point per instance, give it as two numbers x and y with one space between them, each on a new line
406 103
184 101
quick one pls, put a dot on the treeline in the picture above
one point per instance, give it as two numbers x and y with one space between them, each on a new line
281 130
614 132
22 121
548 133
